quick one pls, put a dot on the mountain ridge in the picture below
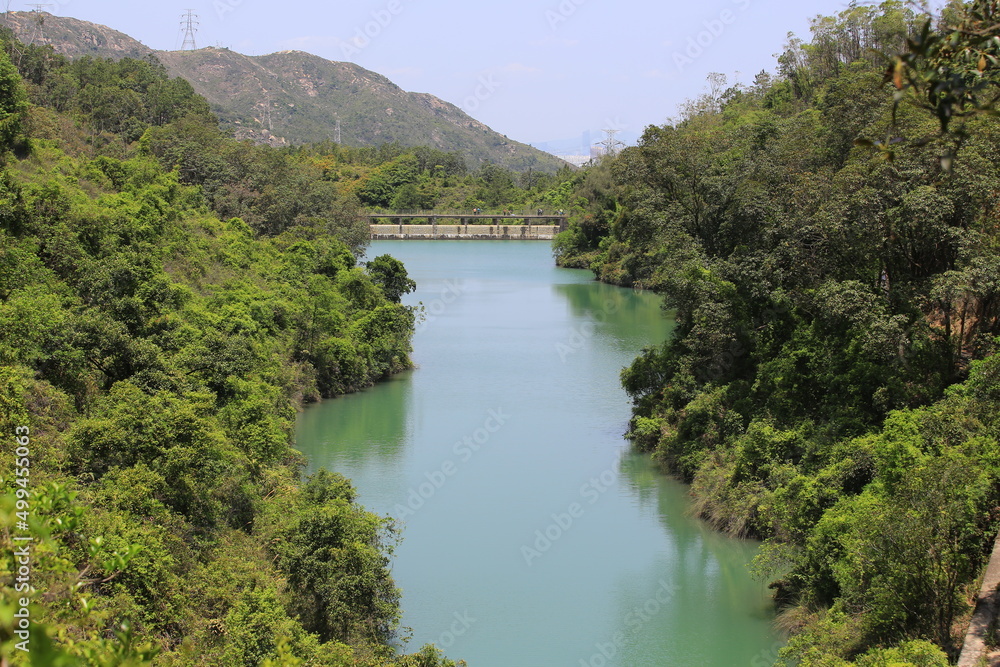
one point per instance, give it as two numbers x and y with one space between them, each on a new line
294 97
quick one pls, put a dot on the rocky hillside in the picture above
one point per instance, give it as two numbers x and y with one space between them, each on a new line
294 97
300 97
73 37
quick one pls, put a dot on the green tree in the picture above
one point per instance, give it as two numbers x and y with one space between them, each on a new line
390 275
335 554
13 103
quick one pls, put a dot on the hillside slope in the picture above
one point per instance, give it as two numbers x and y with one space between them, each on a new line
73 37
300 97
292 97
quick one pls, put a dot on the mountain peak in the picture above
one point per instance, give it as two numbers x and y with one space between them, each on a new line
295 97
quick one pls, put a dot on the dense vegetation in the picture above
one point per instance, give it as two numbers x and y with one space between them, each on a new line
830 254
272 189
169 295
153 355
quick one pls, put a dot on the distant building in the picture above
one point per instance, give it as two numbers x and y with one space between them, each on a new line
576 160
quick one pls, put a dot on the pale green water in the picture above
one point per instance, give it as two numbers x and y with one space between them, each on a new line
628 574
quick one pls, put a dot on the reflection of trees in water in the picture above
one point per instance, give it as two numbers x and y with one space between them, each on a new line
710 566
626 319
369 427
712 594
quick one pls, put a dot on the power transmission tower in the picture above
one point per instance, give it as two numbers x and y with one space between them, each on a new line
190 26
336 132
267 114
610 144
37 33
38 11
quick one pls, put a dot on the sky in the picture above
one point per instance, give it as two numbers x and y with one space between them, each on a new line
534 70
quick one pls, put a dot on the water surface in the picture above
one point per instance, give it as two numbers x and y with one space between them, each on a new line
532 535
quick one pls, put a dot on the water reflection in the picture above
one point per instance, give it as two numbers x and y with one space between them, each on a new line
366 433
710 592
619 317
501 344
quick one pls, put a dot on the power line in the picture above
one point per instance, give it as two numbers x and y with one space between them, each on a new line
189 25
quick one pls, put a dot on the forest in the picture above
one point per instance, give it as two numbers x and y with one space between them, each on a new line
827 241
168 298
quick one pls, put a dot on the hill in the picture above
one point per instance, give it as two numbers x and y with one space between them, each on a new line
292 97
73 37
299 97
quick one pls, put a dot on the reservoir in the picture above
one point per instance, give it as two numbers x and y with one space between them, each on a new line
531 534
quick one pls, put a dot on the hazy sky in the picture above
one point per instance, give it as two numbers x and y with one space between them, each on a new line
535 70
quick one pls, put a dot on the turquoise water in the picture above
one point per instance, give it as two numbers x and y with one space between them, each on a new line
532 535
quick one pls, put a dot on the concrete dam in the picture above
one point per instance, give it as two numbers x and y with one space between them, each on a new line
459 226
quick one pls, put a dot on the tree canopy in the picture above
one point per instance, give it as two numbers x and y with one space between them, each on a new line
162 316
828 385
